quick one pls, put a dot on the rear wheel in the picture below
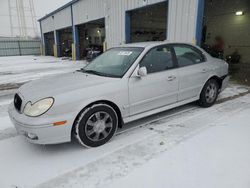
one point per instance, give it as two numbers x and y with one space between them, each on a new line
209 93
96 125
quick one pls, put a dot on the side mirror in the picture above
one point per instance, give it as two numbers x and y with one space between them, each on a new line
142 72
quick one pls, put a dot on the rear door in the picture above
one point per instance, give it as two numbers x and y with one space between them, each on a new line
160 87
192 72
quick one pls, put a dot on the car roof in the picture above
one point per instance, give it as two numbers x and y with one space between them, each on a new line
143 44
151 44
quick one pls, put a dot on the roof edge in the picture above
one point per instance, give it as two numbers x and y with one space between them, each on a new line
58 10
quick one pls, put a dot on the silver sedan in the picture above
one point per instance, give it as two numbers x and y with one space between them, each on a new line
122 85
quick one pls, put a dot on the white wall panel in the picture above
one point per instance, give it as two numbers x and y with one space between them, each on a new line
62 19
59 20
88 10
115 21
47 25
181 18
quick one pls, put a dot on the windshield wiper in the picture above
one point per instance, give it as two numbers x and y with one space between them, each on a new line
94 72
97 73
90 72
87 71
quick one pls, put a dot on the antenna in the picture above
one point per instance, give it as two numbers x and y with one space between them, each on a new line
22 18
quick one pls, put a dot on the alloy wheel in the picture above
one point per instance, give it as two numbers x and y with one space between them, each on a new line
211 93
98 126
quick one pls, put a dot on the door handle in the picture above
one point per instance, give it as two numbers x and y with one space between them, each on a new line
171 78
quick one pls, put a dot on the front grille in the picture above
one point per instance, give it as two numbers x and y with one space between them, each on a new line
17 102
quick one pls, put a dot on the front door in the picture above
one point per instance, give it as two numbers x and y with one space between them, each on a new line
160 87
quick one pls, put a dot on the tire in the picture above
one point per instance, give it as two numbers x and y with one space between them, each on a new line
96 125
209 93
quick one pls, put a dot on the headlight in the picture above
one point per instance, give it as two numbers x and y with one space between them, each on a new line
38 108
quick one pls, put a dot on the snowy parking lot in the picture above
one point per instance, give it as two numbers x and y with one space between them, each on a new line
188 146
18 70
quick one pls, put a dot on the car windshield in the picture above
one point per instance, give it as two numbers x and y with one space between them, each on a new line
113 63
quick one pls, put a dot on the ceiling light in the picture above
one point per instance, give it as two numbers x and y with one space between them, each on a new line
239 13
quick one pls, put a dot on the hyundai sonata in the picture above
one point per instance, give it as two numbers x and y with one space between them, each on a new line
122 85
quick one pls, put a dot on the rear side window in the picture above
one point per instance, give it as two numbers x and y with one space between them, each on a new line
158 59
187 55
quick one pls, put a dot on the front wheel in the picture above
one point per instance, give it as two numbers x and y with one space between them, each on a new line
96 125
209 93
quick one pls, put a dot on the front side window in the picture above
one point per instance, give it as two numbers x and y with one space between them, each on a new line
158 59
113 63
187 55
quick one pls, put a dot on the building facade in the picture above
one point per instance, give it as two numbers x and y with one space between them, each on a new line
108 23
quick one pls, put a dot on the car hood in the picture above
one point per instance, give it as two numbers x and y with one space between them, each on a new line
49 87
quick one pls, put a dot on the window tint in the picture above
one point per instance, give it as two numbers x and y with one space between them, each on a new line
188 56
158 59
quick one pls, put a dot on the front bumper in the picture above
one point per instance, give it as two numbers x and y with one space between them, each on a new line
37 133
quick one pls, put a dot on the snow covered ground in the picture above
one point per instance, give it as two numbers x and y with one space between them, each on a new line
218 157
17 70
188 146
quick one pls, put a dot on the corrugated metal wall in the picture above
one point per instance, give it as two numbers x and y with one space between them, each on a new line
19 47
181 18
88 10
58 21
115 22
47 25
62 19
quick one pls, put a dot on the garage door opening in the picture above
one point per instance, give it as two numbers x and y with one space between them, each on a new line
147 24
65 40
49 41
226 34
91 38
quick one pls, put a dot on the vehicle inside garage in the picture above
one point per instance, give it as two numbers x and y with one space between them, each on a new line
226 34
148 23
65 38
91 38
49 43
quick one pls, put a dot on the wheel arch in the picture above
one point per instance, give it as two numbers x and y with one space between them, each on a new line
218 79
215 77
107 102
